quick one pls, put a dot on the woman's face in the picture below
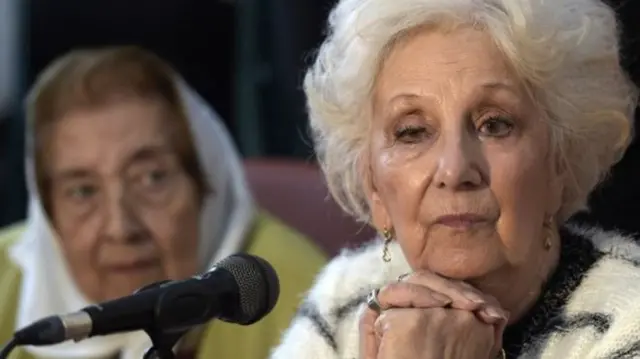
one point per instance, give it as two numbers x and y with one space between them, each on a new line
459 157
126 212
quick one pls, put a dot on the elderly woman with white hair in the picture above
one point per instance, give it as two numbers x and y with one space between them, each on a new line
468 132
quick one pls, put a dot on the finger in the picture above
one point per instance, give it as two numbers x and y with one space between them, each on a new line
380 324
409 295
499 329
399 336
391 320
369 340
491 314
463 295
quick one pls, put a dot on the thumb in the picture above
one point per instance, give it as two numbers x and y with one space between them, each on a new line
499 328
369 340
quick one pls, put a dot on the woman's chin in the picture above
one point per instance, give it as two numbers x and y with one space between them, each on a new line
462 265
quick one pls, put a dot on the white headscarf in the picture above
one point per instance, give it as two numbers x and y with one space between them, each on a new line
47 286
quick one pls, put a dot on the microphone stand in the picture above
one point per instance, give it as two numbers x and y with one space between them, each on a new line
163 340
162 345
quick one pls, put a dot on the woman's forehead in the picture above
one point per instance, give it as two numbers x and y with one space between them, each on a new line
431 62
108 138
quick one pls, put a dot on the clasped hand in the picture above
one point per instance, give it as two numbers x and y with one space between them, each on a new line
426 316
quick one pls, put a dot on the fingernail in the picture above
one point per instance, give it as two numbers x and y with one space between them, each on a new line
494 313
473 297
441 297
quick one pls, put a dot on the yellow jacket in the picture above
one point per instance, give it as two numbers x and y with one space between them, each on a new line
294 257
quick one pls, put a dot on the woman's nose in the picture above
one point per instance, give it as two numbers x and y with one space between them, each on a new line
458 164
121 222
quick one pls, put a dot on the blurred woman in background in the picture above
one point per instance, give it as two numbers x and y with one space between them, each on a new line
133 180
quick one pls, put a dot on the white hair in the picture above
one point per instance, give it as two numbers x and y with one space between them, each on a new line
566 51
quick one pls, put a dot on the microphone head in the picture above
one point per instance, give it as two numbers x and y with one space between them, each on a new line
258 286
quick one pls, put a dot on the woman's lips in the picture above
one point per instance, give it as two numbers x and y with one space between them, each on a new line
461 220
134 265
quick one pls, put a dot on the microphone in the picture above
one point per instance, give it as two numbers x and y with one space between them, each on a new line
239 289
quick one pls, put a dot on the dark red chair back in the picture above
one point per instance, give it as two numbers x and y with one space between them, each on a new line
295 191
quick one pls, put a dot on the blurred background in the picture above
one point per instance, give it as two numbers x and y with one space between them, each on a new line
246 57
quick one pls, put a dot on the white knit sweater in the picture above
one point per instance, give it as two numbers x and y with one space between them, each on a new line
590 307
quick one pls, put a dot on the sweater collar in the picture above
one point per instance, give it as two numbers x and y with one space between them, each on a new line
577 256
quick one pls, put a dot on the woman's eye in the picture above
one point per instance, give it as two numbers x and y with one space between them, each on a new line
496 127
82 192
154 178
410 134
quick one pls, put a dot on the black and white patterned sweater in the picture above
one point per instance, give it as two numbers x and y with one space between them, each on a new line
589 309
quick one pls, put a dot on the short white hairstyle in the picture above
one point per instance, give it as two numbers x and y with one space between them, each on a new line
566 51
